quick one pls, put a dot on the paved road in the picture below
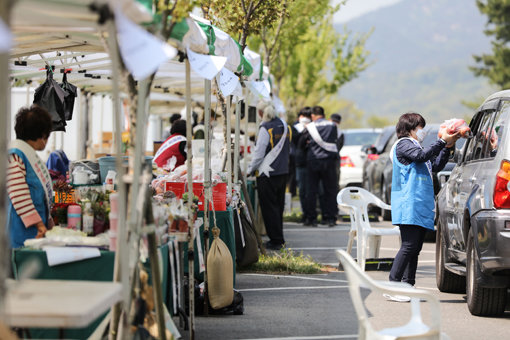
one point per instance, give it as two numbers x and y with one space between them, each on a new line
319 306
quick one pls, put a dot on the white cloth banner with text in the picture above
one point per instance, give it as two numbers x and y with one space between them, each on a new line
142 52
206 66
228 82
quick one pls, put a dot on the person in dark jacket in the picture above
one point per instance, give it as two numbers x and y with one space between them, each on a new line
304 118
270 163
412 192
319 139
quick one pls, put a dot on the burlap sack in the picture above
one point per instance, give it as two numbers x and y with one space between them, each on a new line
220 273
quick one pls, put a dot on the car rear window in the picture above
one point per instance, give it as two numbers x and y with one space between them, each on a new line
360 138
431 137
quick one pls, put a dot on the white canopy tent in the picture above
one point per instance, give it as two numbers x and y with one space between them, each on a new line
79 35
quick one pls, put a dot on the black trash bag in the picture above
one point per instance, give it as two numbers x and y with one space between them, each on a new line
235 308
71 94
50 96
247 251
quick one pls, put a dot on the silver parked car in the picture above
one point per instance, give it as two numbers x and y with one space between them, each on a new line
473 207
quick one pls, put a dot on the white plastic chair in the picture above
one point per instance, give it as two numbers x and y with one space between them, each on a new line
356 201
415 329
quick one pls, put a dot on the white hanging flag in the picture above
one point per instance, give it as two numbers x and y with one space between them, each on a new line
206 66
228 81
5 37
262 89
238 91
141 52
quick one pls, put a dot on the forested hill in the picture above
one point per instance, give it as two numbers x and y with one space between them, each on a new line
420 53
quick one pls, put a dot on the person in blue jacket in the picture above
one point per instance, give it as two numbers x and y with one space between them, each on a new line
412 191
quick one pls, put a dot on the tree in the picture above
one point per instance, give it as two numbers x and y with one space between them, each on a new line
296 18
242 18
352 117
171 12
378 121
495 66
320 64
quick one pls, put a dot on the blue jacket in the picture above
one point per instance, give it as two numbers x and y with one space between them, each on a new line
412 189
18 233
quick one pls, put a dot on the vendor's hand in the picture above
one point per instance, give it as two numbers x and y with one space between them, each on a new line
450 139
41 230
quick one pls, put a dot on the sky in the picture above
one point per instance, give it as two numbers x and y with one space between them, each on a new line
356 8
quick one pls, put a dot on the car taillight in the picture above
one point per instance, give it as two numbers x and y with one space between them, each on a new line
501 193
345 161
372 156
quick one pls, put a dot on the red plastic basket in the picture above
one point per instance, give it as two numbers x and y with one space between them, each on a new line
219 194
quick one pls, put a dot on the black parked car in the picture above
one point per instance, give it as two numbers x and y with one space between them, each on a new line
473 210
374 151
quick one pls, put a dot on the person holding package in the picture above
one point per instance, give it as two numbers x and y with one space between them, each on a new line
173 147
29 186
412 191
270 162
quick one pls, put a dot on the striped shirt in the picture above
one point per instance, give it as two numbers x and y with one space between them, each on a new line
19 193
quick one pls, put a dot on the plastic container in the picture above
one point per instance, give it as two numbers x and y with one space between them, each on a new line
219 194
88 219
108 163
74 217
110 180
113 221
114 203
113 240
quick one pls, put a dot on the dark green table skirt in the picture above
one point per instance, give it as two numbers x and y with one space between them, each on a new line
96 269
225 223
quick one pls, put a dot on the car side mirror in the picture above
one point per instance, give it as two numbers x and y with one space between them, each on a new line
369 149
365 148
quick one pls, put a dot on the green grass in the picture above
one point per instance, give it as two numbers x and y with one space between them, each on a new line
285 261
295 217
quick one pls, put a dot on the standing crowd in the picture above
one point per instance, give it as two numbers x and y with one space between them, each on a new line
310 150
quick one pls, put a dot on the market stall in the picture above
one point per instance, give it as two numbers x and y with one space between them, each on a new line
76 45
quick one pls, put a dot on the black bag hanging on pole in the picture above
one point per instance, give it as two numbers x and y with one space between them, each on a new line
247 251
71 93
50 96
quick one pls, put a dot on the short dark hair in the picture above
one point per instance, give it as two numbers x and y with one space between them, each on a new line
174 117
306 111
336 117
408 122
179 126
32 123
318 111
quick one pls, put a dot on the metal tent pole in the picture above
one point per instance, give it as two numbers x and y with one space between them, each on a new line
229 145
121 273
236 143
191 232
246 111
5 107
101 128
207 182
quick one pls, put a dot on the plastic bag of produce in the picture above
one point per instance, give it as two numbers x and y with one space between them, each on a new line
220 273
455 125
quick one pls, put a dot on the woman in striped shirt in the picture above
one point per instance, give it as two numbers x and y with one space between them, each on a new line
29 184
